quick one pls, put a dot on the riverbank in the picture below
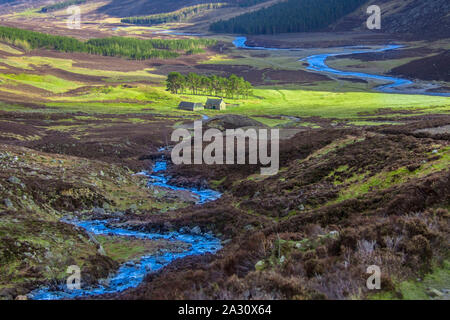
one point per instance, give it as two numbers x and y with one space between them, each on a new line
317 63
131 273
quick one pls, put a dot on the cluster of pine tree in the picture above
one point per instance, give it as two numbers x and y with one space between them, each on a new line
132 48
233 87
61 5
175 16
139 49
289 16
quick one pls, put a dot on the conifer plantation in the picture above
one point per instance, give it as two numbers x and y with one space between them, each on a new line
289 16
132 48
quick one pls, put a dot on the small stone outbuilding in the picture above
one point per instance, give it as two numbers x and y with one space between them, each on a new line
215 104
190 106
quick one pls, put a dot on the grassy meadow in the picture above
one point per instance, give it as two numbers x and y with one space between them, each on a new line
323 99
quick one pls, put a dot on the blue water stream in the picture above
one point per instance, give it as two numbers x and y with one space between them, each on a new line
132 273
158 178
318 63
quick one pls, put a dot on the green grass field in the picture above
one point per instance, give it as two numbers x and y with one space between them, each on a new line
266 101
46 82
329 99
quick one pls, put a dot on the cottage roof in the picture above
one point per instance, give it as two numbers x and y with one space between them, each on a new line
214 101
189 104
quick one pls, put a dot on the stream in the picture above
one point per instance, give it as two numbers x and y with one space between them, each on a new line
317 63
158 178
131 273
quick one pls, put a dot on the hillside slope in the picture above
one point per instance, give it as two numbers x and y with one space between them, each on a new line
430 68
289 16
346 200
126 8
422 18
9 6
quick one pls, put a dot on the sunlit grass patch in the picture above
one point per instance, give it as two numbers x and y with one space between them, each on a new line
103 107
439 279
217 59
28 13
123 249
141 93
29 63
16 62
333 104
19 137
335 145
359 185
9 49
46 82
308 124
21 92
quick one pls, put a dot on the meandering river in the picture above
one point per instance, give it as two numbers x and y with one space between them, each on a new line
130 274
317 63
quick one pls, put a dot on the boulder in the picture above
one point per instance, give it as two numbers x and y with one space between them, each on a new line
434 293
8 203
14 180
97 210
196 230
260 265
232 121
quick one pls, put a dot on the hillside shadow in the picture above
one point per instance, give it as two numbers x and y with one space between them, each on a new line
128 8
